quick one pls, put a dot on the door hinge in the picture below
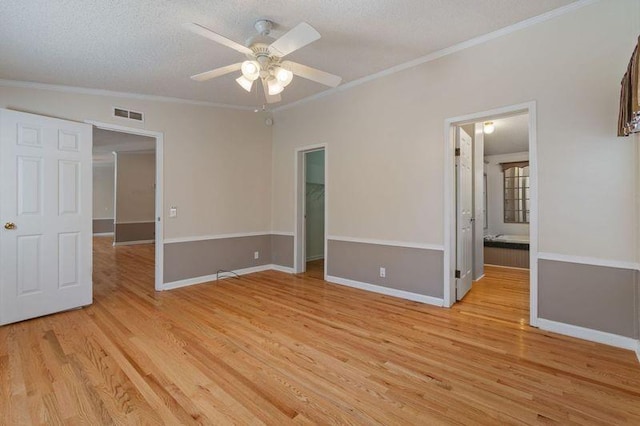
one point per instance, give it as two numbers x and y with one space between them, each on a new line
457 152
457 274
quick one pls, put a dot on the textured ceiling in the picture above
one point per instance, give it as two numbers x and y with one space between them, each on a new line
141 46
511 135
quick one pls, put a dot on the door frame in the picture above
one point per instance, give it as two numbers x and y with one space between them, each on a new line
159 217
299 234
450 194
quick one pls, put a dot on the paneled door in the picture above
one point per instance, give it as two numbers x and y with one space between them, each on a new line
45 215
464 204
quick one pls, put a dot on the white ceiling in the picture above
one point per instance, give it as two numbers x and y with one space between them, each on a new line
511 135
141 46
105 142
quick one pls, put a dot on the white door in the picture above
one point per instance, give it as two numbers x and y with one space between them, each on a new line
464 207
45 215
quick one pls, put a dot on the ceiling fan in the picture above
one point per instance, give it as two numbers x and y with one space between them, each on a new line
264 59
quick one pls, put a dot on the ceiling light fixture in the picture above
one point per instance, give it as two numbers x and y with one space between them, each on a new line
489 127
274 85
250 70
245 83
283 75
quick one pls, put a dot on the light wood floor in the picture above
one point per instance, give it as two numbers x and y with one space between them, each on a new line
274 348
315 269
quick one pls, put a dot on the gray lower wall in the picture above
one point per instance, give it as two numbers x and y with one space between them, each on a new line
282 250
201 258
415 270
102 226
596 297
127 232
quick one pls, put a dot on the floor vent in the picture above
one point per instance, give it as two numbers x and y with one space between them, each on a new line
130 115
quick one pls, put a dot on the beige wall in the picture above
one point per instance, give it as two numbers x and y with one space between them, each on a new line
385 137
216 161
135 187
103 191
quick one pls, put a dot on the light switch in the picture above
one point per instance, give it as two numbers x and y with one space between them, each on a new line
173 212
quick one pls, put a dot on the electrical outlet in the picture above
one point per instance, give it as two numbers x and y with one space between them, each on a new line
256 255
173 211
383 272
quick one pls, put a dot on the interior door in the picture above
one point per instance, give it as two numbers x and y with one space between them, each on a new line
464 207
45 215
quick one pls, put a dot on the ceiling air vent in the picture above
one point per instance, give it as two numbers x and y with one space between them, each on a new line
130 115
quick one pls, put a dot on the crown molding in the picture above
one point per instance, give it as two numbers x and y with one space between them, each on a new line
444 52
109 93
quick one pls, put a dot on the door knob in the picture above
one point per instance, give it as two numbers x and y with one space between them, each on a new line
9 225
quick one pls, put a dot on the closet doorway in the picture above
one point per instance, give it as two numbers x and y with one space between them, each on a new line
311 204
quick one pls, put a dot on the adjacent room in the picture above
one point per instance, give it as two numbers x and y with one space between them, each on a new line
416 212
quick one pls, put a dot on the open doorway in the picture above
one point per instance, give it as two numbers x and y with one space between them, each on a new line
127 201
311 212
492 242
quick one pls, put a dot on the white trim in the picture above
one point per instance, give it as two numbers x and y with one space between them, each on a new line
449 199
610 263
386 290
281 268
213 277
316 257
133 243
283 233
588 334
159 215
103 234
299 248
638 350
103 218
507 267
214 237
133 222
405 244
444 52
110 93
479 278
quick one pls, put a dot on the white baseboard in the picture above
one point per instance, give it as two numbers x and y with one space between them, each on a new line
213 277
638 350
386 290
133 243
589 334
282 269
103 234
507 267
316 257
479 278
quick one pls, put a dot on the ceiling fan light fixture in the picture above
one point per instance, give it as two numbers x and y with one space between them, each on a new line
283 75
274 86
245 83
250 70
489 127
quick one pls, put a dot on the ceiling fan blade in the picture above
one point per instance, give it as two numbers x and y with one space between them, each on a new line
313 74
271 99
216 72
211 35
299 36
